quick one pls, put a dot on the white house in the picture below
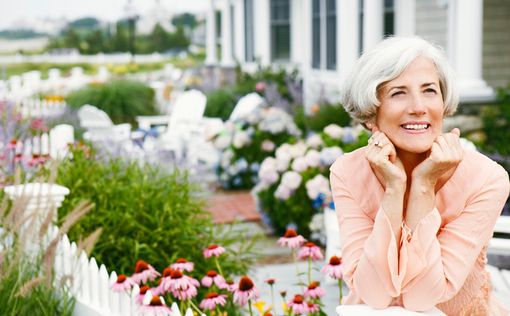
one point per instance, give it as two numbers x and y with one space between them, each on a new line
323 38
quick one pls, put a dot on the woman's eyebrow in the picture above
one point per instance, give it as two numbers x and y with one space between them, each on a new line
428 84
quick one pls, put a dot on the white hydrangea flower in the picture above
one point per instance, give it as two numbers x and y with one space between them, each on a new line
299 164
317 222
283 150
329 155
334 131
313 158
291 180
222 141
241 139
241 164
267 172
282 192
298 150
282 163
317 185
267 145
314 141
232 170
226 158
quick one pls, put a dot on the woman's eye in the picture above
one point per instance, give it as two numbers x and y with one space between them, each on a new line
430 90
397 93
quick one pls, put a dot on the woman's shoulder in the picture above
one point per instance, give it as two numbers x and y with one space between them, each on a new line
349 162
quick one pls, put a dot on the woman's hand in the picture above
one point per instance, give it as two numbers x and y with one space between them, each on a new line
382 156
445 155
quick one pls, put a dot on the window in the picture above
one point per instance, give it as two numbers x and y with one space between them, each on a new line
361 17
389 17
280 30
324 34
249 47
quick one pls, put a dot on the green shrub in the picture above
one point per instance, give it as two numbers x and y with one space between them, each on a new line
220 103
324 115
496 124
122 100
145 214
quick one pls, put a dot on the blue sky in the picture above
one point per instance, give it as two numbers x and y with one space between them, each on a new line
24 10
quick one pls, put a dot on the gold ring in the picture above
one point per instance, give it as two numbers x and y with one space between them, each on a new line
378 144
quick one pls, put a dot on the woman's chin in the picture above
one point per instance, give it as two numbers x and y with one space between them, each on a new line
416 148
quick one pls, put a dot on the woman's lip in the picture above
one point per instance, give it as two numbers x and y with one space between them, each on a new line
416 131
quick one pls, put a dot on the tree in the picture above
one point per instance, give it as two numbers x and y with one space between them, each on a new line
159 39
85 23
185 20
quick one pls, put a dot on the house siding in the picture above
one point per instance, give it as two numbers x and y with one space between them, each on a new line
432 22
496 42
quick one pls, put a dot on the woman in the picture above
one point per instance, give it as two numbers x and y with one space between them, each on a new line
416 211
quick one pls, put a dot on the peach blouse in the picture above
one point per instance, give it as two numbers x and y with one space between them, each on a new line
441 263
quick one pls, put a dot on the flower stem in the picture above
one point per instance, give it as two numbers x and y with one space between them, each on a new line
309 270
272 299
340 289
218 266
195 307
249 307
297 268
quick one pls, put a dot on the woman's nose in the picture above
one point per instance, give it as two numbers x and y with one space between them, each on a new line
417 105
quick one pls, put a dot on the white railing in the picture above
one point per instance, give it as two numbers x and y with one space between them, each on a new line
120 58
37 108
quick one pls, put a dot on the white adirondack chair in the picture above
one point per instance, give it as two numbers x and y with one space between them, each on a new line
184 123
60 137
245 106
100 127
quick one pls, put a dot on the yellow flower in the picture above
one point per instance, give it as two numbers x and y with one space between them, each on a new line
284 308
259 305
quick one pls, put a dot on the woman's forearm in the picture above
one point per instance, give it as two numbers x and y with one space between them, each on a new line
393 205
421 201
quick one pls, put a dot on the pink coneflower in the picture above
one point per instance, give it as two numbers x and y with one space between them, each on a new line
213 250
310 251
178 281
231 286
141 294
298 305
155 306
245 291
122 284
38 125
144 272
158 290
213 277
314 291
260 86
187 293
12 144
313 308
212 299
334 268
291 239
183 265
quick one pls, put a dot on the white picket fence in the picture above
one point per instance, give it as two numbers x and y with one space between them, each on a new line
90 284
37 108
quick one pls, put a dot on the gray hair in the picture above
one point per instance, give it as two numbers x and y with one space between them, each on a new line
385 62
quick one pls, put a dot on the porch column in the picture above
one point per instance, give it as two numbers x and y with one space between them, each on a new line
227 59
465 29
211 56
373 23
405 17
348 36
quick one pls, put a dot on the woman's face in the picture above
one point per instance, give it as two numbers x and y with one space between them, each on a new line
412 107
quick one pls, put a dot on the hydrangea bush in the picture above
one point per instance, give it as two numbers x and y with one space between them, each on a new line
245 143
294 184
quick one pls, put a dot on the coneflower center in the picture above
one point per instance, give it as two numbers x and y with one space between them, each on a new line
155 301
212 273
290 233
144 289
211 295
245 284
141 266
213 246
313 285
121 278
309 244
298 299
176 274
181 260
167 272
335 261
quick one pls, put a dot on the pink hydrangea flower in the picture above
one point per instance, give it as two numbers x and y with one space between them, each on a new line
291 239
183 265
213 250
144 272
122 284
298 305
314 291
213 299
310 251
334 268
213 277
155 306
245 291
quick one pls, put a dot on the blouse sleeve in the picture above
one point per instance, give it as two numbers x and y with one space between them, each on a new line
369 248
438 261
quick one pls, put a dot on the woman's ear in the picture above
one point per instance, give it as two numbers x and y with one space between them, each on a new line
369 125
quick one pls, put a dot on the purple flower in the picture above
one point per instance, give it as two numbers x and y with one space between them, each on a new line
213 277
122 284
213 250
245 291
213 299
291 239
310 250
334 268
314 291
298 305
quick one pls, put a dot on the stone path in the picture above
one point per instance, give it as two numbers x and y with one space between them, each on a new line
228 207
